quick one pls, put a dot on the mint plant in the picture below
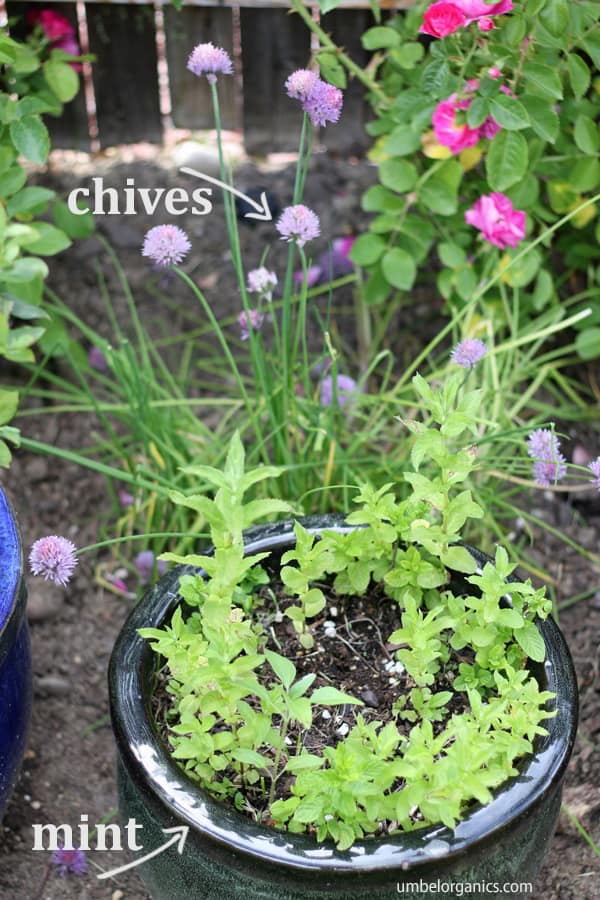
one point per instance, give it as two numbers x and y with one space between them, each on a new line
247 721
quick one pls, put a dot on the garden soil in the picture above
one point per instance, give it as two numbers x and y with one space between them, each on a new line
69 768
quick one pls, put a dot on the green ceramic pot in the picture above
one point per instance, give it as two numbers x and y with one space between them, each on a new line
227 856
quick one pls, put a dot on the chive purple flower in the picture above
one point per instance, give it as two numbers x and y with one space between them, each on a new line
298 223
54 558
594 468
321 100
301 84
166 245
324 104
206 59
253 320
549 464
467 353
262 281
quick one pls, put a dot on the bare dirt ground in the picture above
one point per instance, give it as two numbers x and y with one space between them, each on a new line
70 764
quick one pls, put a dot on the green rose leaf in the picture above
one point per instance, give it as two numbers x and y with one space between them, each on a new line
380 37
30 137
29 199
440 192
50 240
555 17
586 135
478 112
508 112
398 174
407 55
507 160
399 268
326 6
591 45
25 269
585 174
62 79
332 70
579 74
9 401
542 116
367 249
76 226
401 141
543 80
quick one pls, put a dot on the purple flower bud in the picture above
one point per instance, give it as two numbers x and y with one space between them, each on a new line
97 360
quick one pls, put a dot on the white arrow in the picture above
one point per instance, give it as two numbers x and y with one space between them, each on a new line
180 833
263 213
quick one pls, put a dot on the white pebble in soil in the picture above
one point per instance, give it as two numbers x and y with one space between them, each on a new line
329 628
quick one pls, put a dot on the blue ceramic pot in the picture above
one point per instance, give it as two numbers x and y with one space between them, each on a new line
15 657
228 856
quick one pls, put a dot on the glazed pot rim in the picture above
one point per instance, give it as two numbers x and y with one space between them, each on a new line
145 756
12 600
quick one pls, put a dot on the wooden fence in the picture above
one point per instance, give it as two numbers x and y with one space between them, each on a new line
133 42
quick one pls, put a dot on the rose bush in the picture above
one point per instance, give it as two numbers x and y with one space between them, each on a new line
486 114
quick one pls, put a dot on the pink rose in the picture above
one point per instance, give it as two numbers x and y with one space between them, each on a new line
441 19
477 9
447 130
54 25
457 136
500 224
444 18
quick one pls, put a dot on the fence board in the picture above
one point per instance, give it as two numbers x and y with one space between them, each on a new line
71 128
274 44
190 96
125 73
346 28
